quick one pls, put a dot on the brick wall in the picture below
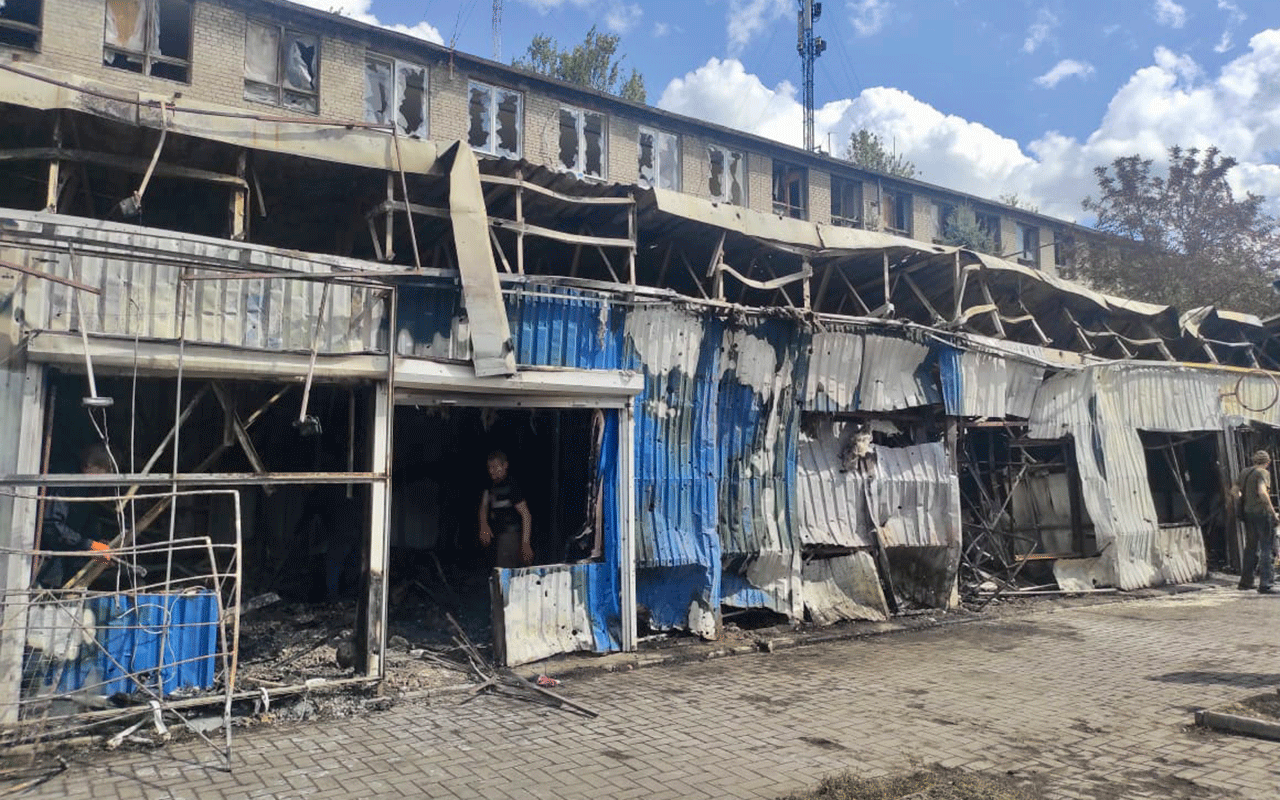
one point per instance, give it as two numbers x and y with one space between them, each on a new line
819 196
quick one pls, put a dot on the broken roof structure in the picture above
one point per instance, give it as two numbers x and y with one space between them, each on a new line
734 409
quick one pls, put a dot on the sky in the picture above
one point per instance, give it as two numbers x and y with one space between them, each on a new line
989 97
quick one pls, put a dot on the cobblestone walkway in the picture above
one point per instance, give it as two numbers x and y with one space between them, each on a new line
1097 699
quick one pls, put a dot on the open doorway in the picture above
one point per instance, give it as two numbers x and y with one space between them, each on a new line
1186 477
439 567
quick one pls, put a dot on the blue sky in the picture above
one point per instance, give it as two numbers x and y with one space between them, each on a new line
990 97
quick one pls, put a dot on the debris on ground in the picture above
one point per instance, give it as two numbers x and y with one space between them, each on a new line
926 783
1265 707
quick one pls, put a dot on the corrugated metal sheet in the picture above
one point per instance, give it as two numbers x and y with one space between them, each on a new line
1103 408
844 587
984 385
831 506
137 635
835 370
895 375
547 610
1044 502
141 298
917 496
768 580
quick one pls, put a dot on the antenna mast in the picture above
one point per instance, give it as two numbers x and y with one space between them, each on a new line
809 47
497 30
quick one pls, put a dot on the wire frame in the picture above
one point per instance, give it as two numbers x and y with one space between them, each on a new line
140 652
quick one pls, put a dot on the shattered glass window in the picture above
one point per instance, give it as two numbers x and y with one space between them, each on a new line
378 91
726 178
582 142
282 67
20 23
495 120
411 100
648 157
396 91
668 161
150 37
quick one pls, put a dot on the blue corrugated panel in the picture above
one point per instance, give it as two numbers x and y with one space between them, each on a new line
952 378
556 326
176 634
428 319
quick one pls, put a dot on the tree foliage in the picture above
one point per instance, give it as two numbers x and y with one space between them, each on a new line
1182 238
595 64
867 150
1012 200
963 230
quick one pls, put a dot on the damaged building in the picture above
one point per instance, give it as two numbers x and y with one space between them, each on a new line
302 275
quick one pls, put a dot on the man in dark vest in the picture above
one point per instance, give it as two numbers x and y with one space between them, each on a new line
73 526
1260 521
504 516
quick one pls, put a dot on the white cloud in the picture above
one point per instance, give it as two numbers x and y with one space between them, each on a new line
749 17
1171 101
1065 68
622 17
1170 13
869 16
1235 17
1040 30
360 11
661 29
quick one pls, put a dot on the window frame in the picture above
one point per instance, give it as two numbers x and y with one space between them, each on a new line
787 171
899 197
491 149
943 212
743 179
580 115
1032 260
657 134
147 57
992 230
393 108
279 87
1063 245
843 220
35 30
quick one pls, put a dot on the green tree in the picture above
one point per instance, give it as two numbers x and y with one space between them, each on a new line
595 64
962 230
1183 238
867 150
1012 200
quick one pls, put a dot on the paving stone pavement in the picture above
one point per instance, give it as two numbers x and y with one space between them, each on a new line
1096 699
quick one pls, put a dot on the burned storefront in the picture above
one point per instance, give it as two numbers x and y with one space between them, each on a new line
302 341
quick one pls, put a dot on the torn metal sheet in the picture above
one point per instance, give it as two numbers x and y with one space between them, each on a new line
843 588
917 496
767 580
1041 506
835 370
141 297
547 611
895 375
983 385
831 501
493 352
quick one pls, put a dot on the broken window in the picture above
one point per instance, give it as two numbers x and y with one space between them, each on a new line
1064 246
944 219
20 23
726 178
282 67
150 37
396 92
846 202
659 159
896 207
582 142
496 120
989 224
1029 239
790 190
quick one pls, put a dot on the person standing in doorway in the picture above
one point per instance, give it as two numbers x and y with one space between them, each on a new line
74 527
504 516
1260 521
